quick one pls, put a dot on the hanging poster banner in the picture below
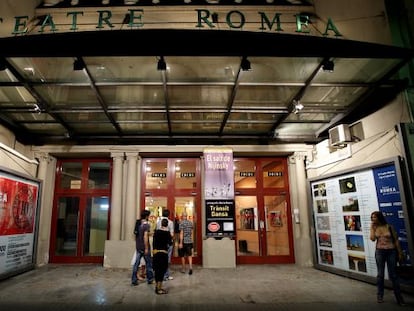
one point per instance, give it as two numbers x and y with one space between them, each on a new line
342 207
219 192
19 198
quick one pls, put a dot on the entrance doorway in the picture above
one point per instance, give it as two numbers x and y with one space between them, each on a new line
173 184
263 222
80 213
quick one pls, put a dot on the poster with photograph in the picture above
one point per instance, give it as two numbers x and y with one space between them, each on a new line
18 214
342 205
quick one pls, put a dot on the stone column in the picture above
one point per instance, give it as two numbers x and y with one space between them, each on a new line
304 255
116 196
131 196
45 220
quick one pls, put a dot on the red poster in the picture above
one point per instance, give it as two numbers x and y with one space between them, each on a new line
18 201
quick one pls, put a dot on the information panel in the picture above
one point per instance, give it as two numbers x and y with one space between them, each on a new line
342 207
18 219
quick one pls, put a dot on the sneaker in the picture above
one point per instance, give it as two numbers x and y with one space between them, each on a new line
170 278
134 283
150 282
380 299
190 272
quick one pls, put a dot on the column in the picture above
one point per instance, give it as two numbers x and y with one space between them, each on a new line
131 196
303 235
45 217
116 196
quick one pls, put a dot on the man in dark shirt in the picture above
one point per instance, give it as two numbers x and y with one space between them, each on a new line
143 249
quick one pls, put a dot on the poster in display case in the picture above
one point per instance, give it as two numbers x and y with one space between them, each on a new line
19 209
342 204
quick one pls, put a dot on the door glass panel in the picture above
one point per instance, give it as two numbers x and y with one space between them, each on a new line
185 175
71 175
67 226
155 205
156 175
247 226
244 174
95 226
273 174
99 175
186 205
277 235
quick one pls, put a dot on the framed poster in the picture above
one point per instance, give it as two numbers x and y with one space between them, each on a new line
19 209
341 206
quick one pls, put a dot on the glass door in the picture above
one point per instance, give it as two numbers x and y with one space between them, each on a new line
81 211
263 225
173 184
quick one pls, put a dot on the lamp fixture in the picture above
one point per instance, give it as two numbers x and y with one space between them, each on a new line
78 64
297 106
161 64
328 66
245 64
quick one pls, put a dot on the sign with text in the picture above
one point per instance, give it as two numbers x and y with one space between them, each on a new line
219 191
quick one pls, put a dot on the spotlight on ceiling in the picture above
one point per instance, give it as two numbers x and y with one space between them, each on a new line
297 106
78 64
245 64
161 64
328 66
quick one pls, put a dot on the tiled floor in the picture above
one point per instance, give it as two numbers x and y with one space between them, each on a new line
261 287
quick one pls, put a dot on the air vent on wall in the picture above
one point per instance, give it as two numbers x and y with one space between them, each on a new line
339 135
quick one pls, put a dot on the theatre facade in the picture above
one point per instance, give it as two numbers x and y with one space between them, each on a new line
276 126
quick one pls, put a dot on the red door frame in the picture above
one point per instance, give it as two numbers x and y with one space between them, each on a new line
260 192
171 193
83 193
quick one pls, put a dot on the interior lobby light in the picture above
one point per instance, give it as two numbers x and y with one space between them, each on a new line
328 66
78 64
161 64
245 64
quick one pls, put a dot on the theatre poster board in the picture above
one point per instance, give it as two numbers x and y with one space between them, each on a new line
19 209
342 205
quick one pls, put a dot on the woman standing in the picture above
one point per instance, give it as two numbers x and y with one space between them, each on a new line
161 242
386 252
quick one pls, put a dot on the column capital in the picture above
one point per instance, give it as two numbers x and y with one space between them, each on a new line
117 155
298 156
132 155
43 157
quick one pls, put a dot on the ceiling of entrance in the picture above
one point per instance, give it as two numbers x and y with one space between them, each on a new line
214 89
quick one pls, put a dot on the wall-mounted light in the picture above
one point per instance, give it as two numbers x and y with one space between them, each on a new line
161 64
328 66
245 64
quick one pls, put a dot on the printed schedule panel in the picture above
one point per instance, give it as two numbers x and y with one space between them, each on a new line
342 205
19 198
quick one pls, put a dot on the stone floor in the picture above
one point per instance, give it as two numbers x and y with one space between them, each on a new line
247 287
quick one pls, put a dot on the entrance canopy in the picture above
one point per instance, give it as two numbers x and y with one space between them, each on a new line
151 86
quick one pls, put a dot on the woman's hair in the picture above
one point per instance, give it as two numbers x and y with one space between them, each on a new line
380 217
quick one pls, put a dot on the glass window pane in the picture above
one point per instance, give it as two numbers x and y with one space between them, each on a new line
67 226
71 177
186 205
99 173
95 226
155 205
185 175
156 175
244 174
277 234
273 174
247 226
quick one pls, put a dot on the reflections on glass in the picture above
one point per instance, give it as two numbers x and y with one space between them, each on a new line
71 175
273 174
155 205
185 175
247 226
99 173
67 226
277 236
185 205
244 174
156 175
95 226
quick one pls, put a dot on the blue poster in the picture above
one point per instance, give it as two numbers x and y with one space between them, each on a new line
389 203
